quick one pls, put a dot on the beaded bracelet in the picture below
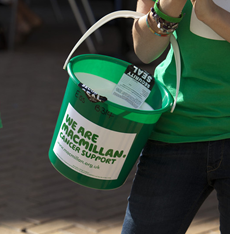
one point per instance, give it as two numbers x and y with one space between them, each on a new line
166 17
165 23
164 26
160 35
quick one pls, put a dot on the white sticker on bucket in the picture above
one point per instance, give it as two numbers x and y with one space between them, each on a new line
90 149
134 86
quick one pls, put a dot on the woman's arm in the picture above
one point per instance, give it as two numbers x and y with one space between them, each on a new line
147 45
214 16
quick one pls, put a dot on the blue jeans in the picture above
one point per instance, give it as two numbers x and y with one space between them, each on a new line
171 183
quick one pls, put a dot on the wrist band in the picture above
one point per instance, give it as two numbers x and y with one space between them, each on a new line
166 17
160 35
163 25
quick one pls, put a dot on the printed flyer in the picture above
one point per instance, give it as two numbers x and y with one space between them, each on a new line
134 86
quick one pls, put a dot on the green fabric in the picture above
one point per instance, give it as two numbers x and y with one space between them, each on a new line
0 122
203 107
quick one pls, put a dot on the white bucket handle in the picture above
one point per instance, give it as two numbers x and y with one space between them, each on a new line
134 15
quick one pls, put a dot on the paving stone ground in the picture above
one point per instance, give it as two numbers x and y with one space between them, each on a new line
34 197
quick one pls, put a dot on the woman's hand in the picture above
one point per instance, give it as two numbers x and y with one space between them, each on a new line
147 45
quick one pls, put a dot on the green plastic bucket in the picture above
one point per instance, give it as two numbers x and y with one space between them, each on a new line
96 142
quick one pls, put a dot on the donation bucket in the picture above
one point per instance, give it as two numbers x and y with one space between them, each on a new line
99 135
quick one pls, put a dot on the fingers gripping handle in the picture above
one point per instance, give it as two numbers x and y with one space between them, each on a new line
134 15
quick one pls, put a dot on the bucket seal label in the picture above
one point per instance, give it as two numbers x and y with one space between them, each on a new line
134 86
90 149
92 95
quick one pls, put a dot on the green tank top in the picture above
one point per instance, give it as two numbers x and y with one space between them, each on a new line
202 112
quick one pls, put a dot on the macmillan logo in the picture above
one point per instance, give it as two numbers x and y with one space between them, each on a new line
91 149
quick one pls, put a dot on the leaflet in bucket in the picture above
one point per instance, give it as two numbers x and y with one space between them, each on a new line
131 91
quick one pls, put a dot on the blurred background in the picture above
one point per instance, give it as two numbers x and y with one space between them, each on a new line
36 37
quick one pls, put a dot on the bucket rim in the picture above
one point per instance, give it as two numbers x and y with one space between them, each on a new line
69 69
